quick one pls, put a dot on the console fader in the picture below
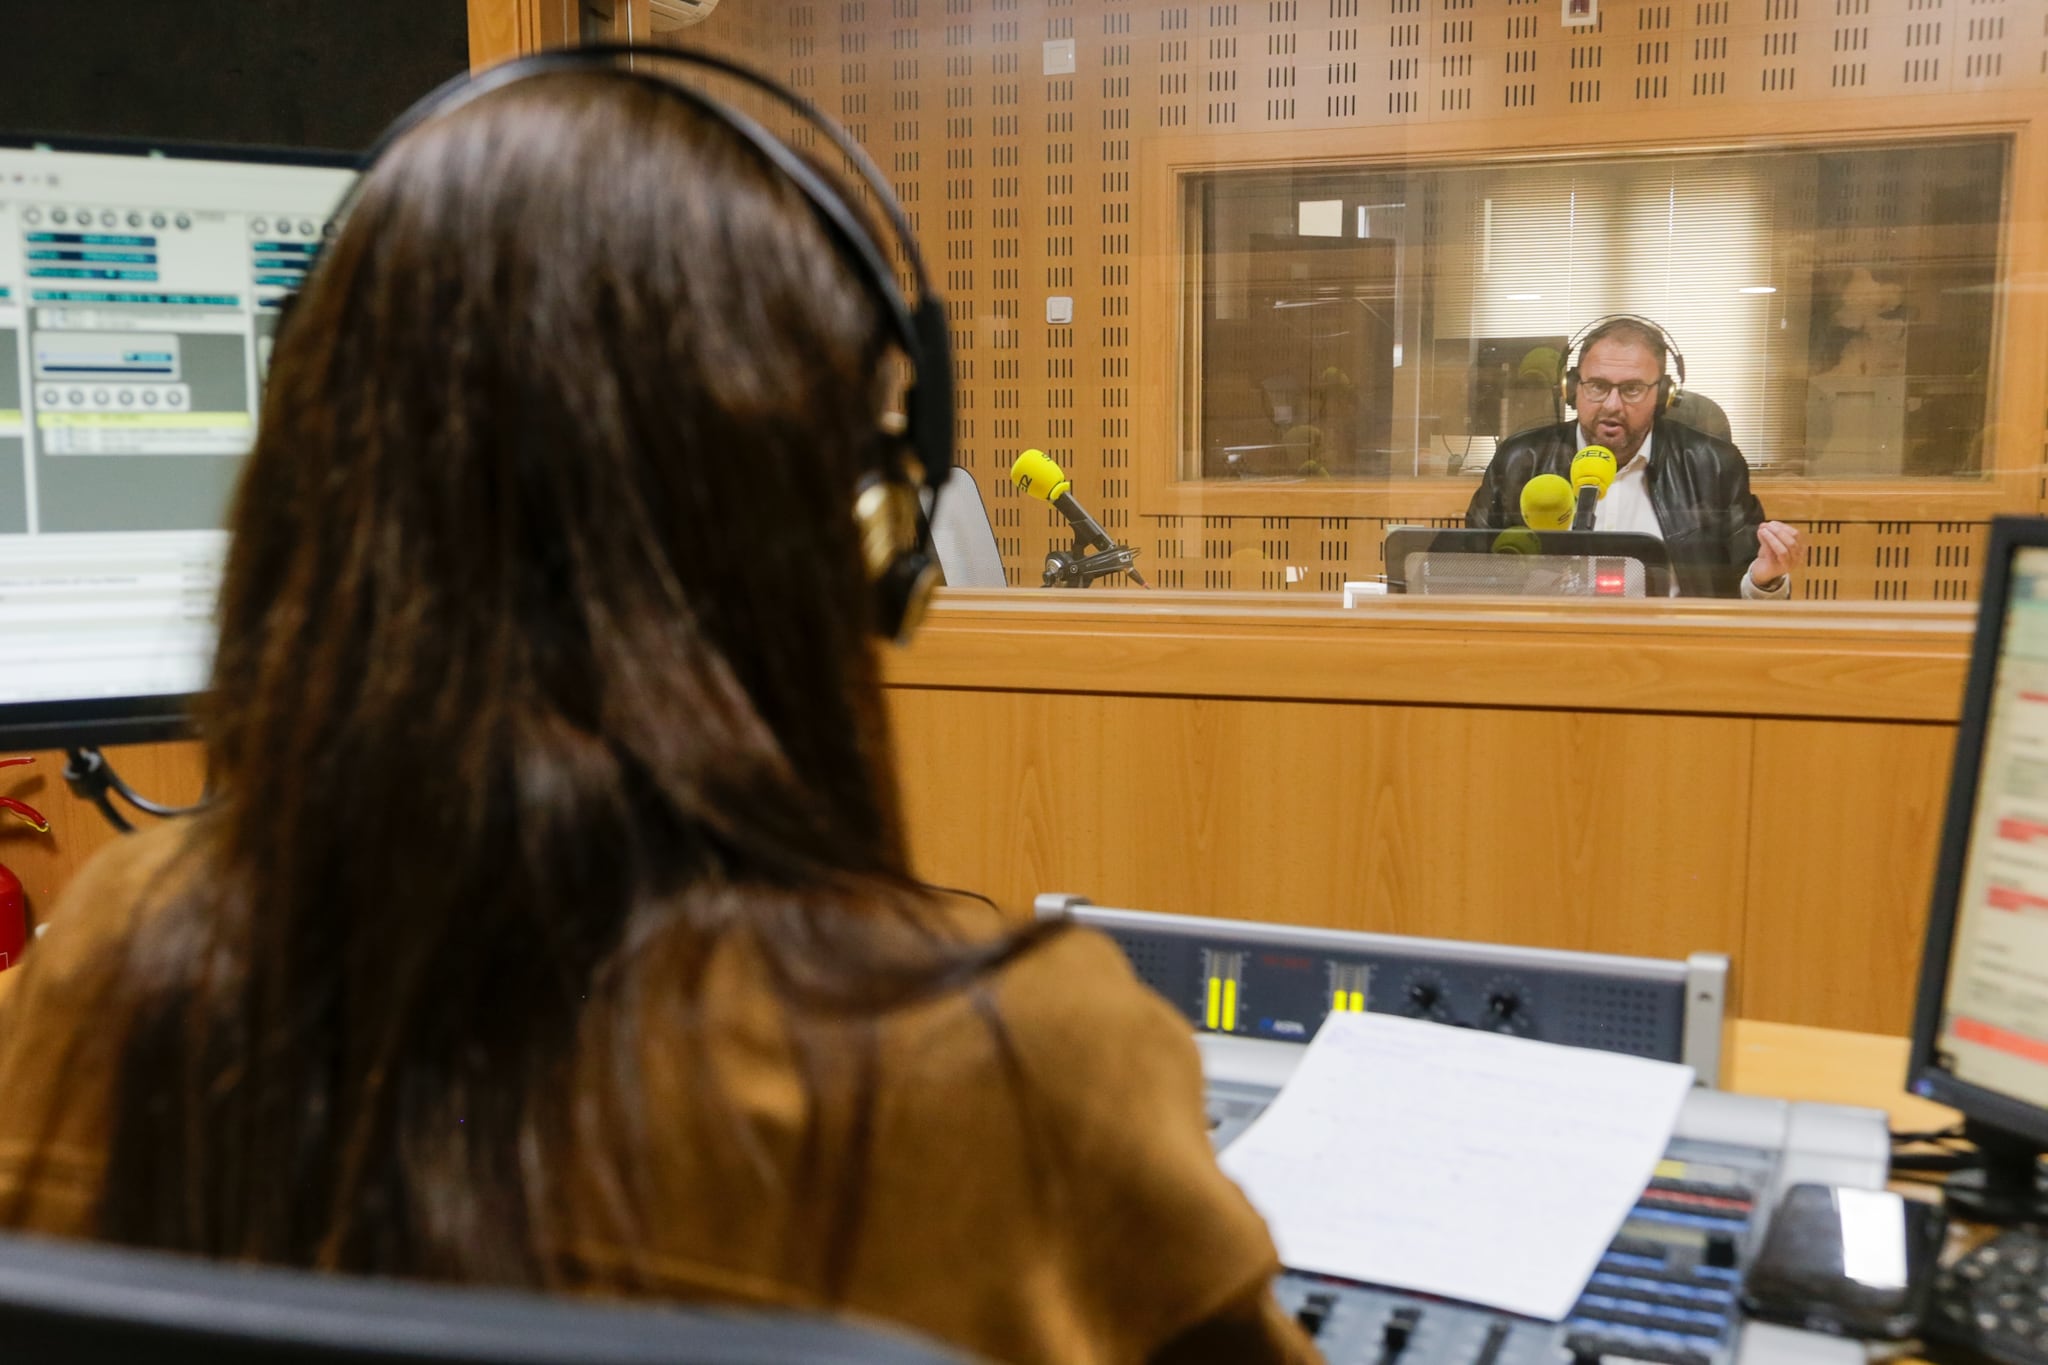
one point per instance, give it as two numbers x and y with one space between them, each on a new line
1664 1293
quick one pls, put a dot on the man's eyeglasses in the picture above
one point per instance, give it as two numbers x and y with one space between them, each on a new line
1596 390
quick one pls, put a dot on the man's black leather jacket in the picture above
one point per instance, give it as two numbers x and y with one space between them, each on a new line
1699 488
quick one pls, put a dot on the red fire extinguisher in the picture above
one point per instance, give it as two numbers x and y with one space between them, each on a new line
13 902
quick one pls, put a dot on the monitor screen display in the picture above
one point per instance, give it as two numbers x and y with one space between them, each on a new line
139 295
1992 1027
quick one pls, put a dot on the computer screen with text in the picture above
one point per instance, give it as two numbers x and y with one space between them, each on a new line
1993 1029
139 296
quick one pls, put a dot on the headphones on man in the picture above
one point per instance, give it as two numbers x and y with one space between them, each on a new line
1668 387
894 534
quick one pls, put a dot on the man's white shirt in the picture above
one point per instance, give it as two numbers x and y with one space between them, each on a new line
1627 508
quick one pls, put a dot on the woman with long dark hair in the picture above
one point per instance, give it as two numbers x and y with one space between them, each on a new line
552 924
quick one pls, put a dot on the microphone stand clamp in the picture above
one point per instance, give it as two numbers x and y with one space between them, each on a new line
1078 567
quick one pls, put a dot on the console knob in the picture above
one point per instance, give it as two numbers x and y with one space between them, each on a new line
1424 995
1502 1005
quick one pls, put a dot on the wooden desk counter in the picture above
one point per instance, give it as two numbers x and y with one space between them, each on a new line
1765 780
1830 1066
1838 660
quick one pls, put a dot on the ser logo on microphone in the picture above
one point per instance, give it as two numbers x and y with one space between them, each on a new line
1593 469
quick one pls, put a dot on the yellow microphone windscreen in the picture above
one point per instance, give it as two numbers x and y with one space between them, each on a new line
1037 474
1547 503
1595 465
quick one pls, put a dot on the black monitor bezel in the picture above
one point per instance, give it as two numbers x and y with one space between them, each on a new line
267 154
76 722
1923 1077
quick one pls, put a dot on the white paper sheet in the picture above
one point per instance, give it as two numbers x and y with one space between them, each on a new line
1473 1165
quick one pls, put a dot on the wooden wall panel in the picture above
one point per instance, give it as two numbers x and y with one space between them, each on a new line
1846 826
1803 848
1848 561
1026 185
500 29
1570 830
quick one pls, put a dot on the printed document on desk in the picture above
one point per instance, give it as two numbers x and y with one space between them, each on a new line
1472 1165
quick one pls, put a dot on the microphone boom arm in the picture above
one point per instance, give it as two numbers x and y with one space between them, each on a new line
1078 567
1096 553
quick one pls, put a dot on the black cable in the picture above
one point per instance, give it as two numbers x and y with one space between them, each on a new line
1945 1150
1937 1161
91 778
114 817
143 803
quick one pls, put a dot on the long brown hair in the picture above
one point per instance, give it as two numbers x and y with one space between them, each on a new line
544 667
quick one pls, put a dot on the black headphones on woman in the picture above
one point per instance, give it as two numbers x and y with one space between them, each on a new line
1668 387
895 537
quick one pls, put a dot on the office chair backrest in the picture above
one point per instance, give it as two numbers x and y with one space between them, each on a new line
75 1304
1701 413
961 534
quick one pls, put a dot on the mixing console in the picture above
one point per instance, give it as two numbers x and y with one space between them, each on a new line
1666 1290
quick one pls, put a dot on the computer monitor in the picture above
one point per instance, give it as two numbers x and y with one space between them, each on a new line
139 294
1980 1031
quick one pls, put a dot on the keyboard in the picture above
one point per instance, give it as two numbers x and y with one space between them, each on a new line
1992 1303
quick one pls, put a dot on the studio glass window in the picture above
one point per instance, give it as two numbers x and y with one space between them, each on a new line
1835 306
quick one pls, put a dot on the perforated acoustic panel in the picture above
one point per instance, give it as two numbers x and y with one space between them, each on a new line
1010 130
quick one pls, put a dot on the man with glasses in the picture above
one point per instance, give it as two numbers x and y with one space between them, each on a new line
1689 489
